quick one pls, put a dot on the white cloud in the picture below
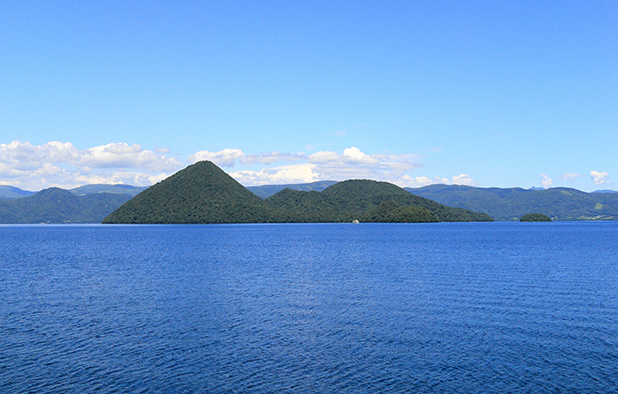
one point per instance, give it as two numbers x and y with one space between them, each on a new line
34 167
353 155
60 164
121 155
223 158
297 173
568 176
355 164
463 179
547 181
599 178
270 158
352 163
322 157
420 181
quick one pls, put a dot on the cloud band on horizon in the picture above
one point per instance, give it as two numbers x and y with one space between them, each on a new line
61 164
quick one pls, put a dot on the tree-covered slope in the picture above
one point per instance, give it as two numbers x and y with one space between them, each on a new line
303 207
266 191
60 206
535 217
359 196
358 199
512 203
201 193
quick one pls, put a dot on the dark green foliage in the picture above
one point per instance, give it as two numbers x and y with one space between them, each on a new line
380 213
411 215
356 197
535 217
266 191
302 207
510 204
203 193
60 206
391 212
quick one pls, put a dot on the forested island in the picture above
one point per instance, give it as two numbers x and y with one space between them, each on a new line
535 217
203 193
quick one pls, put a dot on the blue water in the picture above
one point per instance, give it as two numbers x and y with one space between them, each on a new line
436 308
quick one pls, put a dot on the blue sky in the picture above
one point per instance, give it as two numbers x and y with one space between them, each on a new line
504 94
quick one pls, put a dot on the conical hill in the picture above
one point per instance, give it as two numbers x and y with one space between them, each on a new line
201 193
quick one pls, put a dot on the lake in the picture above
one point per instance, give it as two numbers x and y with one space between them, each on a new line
316 308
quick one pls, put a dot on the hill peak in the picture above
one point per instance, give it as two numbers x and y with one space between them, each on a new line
200 193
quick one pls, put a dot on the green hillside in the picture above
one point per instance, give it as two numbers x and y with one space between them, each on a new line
60 206
266 191
203 193
358 199
512 203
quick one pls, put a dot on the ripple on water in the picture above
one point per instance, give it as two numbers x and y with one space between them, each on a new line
483 308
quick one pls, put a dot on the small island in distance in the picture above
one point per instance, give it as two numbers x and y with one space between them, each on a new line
535 217
203 193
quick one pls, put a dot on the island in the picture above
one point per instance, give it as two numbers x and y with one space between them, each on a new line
535 217
203 193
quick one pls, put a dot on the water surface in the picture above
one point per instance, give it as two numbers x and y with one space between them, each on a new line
425 308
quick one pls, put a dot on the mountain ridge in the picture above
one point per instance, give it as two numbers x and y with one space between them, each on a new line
500 203
506 204
55 205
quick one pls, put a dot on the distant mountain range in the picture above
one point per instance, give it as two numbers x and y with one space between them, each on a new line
510 204
11 192
60 206
203 193
71 206
85 204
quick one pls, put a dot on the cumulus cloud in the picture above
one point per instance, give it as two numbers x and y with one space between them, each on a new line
420 181
34 167
325 165
323 157
225 158
352 163
61 164
547 181
353 155
567 176
298 173
599 178
463 179
270 158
